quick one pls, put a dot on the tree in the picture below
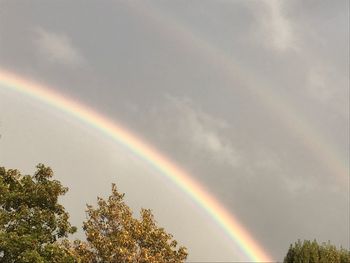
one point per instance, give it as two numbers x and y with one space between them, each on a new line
34 227
312 252
32 222
113 235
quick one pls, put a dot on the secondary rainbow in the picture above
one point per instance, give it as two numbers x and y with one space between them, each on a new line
183 180
283 108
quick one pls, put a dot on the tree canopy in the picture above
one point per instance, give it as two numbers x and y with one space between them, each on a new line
32 222
114 235
34 227
312 252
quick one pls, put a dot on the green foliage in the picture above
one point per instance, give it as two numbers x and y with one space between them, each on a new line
34 227
312 252
113 235
32 222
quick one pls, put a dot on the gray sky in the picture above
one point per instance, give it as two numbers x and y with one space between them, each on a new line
250 97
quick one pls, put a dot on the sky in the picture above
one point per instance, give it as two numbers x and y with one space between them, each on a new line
251 98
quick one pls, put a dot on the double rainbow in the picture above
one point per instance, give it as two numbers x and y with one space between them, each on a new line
235 231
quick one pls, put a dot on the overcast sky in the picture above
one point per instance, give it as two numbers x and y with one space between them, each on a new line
250 97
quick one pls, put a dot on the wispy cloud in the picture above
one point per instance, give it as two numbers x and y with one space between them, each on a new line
202 132
57 48
276 29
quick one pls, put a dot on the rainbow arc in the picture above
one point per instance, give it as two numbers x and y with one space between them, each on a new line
231 226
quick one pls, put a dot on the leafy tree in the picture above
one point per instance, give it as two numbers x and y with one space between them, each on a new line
312 252
113 235
34 227
32 222
344 255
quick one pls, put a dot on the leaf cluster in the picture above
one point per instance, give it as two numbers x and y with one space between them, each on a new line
31 219
34 227
114 235
312 252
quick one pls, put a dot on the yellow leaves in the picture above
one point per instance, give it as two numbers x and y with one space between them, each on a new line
36 223
115 236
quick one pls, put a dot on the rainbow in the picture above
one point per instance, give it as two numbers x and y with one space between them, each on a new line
295 122
235 231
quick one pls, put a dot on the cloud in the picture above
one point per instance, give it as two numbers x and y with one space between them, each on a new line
204 136
201 132
57 48
276 29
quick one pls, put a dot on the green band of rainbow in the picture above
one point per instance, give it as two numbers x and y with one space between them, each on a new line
179 177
